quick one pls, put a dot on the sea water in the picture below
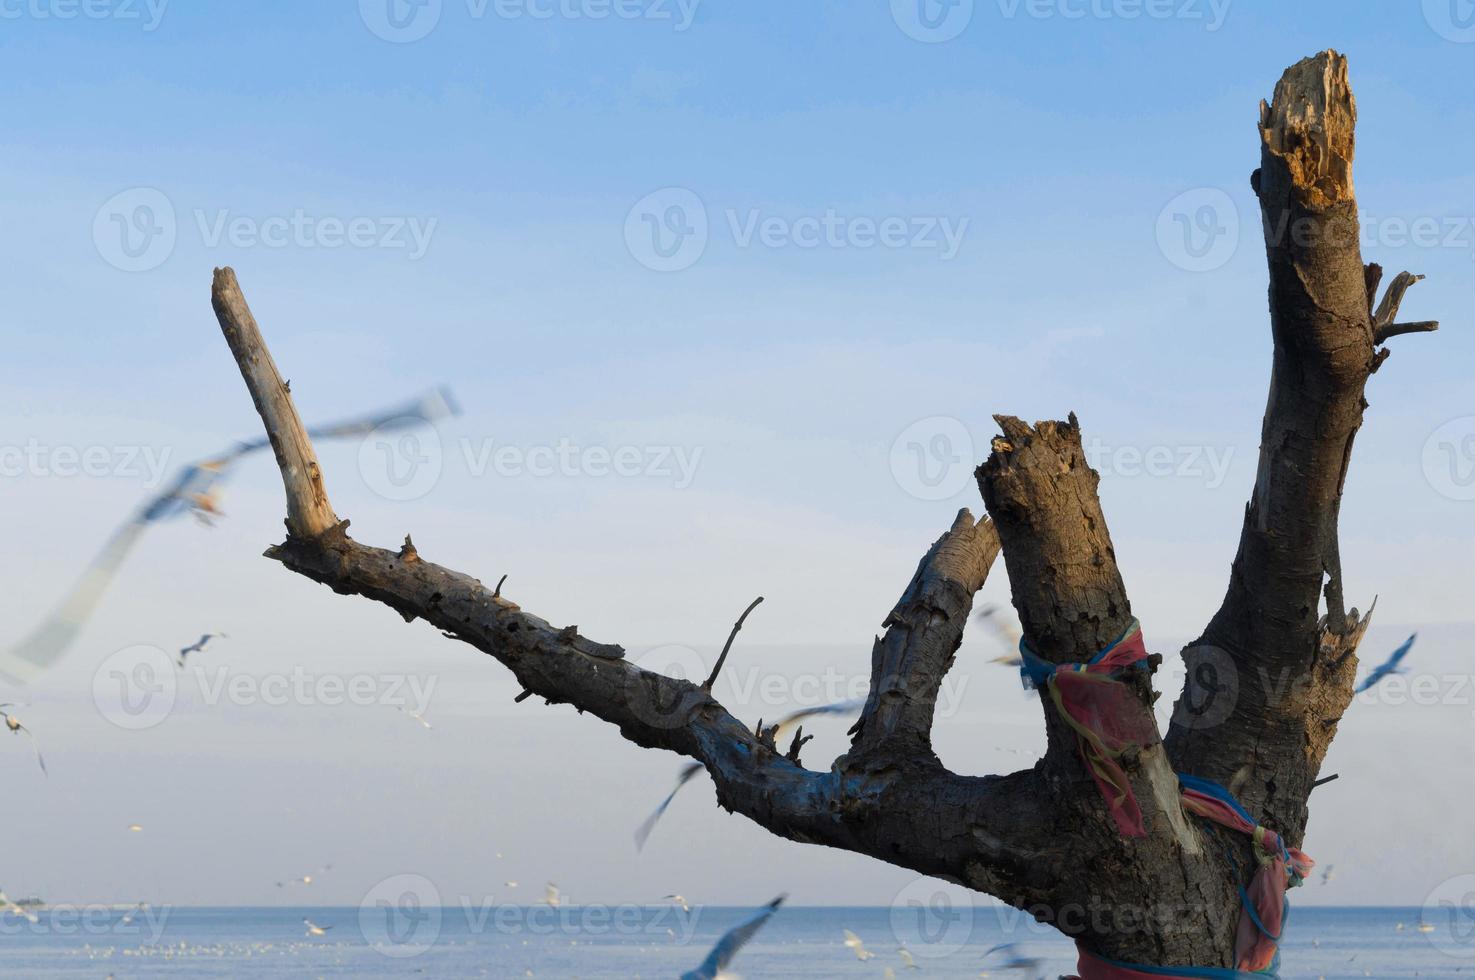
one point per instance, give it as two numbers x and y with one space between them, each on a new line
600 942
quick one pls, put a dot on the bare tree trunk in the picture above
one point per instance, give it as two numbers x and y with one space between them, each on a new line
1039 839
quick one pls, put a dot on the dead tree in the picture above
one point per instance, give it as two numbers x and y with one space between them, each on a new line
1038 839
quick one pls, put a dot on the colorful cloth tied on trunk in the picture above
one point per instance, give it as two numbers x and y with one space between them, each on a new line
1094 967
1280 868
1108 718
1105 715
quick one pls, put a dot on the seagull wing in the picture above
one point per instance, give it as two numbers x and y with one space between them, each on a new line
642 833
1396 657
732 941
425 410
29 658
37 749
838 708
36 653
1389 666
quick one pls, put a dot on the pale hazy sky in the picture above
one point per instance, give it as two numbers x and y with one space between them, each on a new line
904 233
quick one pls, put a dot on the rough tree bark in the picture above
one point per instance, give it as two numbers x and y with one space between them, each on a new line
1038 839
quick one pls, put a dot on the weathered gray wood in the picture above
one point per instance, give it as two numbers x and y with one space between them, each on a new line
922 633
308 510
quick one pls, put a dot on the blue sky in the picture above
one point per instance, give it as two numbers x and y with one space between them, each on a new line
799 382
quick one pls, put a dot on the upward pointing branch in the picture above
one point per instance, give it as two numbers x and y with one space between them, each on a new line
1326 330
308 511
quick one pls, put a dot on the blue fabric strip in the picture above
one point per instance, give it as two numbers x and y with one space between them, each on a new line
1036 672
1200 972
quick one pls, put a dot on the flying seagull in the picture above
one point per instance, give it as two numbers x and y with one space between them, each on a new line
550 895
731 942
678 900
1008 636
194 491
415 715
199 645
838 708
313 929
1025 964
1388 667
642 833
13 724
6 905
856 946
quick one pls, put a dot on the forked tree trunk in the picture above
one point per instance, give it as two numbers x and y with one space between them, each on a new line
1039 839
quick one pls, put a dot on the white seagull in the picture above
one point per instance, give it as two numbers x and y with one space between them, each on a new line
13 724
313 929
856 946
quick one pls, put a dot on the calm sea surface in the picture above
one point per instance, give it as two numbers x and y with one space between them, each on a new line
626 942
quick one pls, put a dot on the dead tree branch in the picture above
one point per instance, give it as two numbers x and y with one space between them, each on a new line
988 834
1292 664
922 633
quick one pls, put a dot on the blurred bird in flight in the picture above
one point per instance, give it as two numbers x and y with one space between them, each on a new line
1388 667
13 725
731 942
195 491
